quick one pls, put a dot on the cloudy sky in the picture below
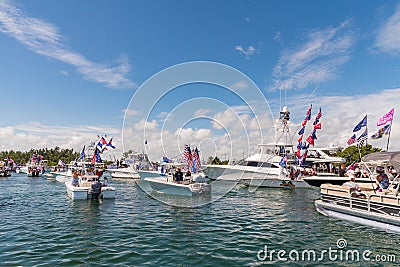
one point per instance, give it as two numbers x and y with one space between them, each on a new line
212 74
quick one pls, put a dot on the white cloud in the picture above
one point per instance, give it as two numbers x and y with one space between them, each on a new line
388 37
317 60
239 85
35 135
131 112
277 37
164 116
240 134
63 72
44 39
247 52
202 112
189 135
143 124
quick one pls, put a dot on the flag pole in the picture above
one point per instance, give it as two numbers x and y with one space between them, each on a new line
366 128
387 145
359 149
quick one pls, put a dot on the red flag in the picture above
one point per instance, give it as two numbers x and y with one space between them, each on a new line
317 126
310 140
300 139
298 154
319 115
103 140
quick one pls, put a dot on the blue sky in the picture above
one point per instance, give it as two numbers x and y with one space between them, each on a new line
69 70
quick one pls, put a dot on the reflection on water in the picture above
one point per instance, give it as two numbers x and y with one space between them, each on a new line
40 225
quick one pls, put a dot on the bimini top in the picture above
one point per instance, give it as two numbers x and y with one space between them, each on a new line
379 156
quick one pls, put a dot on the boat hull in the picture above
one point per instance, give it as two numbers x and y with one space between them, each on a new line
252 177
150 174
234 173
385 222
107 192
75 192
173 188
362 205
84 192
125 175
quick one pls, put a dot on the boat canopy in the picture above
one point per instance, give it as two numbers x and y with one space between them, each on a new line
391 158
379 156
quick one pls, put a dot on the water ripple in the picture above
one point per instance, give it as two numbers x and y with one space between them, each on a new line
40 226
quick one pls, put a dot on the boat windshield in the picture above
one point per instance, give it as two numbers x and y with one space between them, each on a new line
257 164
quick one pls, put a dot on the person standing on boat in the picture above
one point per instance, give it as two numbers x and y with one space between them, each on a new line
96 189
75 179
178 175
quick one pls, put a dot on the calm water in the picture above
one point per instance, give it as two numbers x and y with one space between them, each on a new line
40 226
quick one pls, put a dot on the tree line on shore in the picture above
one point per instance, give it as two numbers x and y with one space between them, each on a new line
52 155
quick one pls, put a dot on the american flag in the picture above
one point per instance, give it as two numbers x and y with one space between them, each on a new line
196 157
187 155
96 157
352 140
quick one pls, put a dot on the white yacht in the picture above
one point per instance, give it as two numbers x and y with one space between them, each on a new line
124 173
130 166
190 186
263 169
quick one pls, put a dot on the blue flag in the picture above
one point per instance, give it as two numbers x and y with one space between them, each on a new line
110 144
82 155
283 161
362 123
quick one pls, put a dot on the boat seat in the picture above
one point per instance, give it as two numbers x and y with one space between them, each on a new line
86 184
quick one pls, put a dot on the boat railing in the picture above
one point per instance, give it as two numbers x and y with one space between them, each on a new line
357 199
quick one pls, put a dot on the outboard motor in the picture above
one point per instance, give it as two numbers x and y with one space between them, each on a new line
96 190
